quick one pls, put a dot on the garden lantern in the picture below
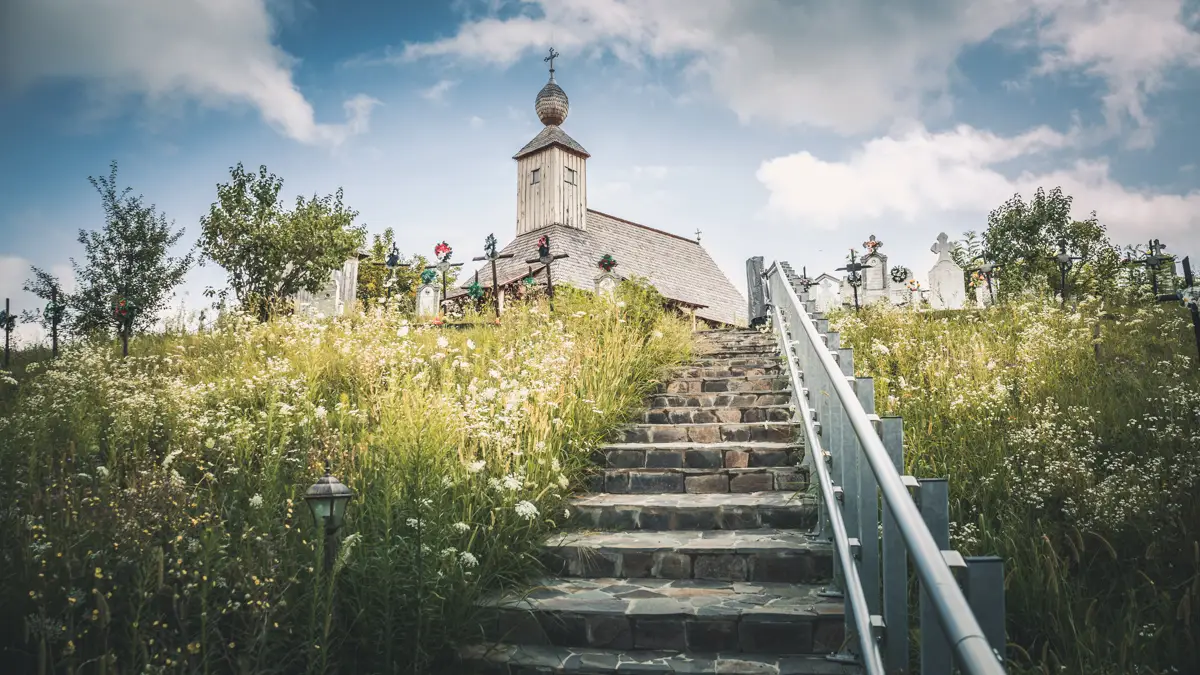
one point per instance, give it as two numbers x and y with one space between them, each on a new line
327 498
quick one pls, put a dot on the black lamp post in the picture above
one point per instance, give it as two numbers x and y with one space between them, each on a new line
327 498
1064 261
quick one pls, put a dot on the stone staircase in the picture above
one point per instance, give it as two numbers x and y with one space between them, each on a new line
688 556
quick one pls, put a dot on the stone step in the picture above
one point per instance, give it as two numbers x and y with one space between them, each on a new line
713 414
755 353
737 361
722 399
702 481
717 371
506 659
719 511
713 345
766 555
697 385
771 432
686 614
698 455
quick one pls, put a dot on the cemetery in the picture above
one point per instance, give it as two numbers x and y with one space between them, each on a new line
590 453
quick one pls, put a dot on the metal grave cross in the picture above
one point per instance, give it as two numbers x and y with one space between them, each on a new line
871 244
9 323
1152 260
1190 296
545 258
489 247
443 252
853 277
55 310
1064 261
804 281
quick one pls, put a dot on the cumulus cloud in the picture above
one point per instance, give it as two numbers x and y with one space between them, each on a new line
847 65
438 91
921 175
216 52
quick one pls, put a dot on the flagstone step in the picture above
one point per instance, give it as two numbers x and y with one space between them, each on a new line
722 399
683 511
697 385
700 481
721 371
774 432
735 351
736 361
504 659
699 455
685 614
765 555
713 414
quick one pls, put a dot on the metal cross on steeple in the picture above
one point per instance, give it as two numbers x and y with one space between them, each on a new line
550 59
489 246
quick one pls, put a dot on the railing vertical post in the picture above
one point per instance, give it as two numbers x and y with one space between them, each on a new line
985 594
755 295
936 657
895 563
868 505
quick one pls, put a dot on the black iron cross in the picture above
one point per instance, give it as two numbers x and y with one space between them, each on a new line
545 258
444 266
1064 261
9 323
986 269
1152 260
853 277
55 310
553 55
804 280
1190 296
489 247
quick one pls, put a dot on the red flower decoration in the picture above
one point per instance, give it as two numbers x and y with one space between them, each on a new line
442 251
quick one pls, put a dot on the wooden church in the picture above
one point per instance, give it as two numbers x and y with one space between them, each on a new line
552 203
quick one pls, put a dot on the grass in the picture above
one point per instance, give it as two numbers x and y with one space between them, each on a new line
1076 458
151 506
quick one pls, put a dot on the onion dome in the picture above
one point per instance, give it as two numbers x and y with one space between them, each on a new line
551 103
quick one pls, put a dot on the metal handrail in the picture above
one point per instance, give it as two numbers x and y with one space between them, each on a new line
974 653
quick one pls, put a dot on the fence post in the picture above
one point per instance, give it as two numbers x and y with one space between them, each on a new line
757 314
985 593
936 657
895 563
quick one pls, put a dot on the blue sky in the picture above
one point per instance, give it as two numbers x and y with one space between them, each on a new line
788 129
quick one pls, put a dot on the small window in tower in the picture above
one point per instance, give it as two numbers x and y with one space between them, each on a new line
570 176
535 176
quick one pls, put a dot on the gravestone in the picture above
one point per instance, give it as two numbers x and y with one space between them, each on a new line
946 287
428 300
982 297
826 294
606 285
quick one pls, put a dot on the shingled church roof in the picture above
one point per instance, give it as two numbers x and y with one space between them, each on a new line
551 135
678 267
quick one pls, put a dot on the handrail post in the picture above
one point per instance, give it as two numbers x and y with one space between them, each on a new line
936 657
985 593
895 563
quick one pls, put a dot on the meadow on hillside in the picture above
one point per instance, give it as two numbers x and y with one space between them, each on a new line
155 501
1076 458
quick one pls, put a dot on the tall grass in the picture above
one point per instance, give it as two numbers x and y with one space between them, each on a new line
151 508
1076 458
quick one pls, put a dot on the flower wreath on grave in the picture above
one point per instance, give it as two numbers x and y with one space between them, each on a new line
607 263
428 275
900 273
976 279
475 291
914 285
122 309
442 251
8 322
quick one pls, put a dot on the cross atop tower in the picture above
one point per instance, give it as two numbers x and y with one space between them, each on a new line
553 55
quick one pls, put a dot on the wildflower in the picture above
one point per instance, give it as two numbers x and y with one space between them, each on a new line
256 501
470 345
461 526
209 443
476 466
526 510
511 482
658 334
620 304
102 471
562 481
320 412
442 342
467 559
566 513
402 331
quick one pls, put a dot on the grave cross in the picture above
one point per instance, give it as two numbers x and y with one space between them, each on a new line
1064 265
489 247
55 310
1152 260
545 258
9 323
986 268
804 281
123 314
871 244
853 277
443 252
1190 296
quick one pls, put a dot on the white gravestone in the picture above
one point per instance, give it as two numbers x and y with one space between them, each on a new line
826 295
606 285
428 300
946 288
875 281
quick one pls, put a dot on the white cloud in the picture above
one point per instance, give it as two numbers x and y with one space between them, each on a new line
475 122
653 172
921 175
845 65
216 52
437 92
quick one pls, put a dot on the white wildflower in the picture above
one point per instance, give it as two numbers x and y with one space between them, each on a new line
320 412
402 331
470 344
256 501
461 526
526 510
442 342
467 559
476 466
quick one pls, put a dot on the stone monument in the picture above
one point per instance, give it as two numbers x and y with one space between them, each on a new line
428 300
606 285
946 287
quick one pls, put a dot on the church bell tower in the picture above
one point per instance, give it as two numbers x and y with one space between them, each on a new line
551 168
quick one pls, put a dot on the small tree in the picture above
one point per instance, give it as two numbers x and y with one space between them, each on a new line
55 313
271 253
1022 239
128 276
